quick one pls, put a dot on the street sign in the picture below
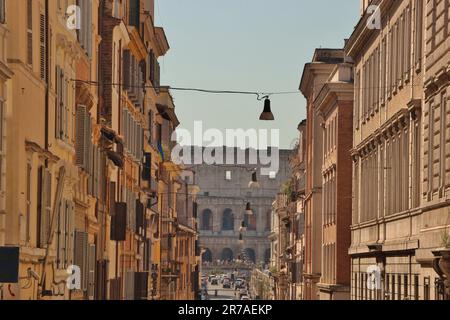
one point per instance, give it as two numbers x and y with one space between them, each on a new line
9 264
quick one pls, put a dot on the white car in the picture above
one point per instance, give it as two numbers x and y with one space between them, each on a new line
245 298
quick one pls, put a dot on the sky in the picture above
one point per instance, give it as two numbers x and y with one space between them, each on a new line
247 45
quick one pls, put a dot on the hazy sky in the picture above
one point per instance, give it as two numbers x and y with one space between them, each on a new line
247 45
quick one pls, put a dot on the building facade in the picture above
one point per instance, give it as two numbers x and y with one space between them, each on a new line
400 215
315 75
222 212
335 106
85 131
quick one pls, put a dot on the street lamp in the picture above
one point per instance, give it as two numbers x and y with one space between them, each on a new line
254 182
248 209
241 238
267 114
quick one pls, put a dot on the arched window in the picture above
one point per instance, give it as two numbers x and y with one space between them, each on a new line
207 256
249 255
250 222
228 220
227 254
207 220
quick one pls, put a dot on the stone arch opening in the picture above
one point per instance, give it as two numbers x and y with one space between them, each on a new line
250 222
228 220
250 255
227 255
207 220
207 256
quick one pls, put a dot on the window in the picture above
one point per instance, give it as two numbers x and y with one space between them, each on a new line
426 288
28 204
44 205
64 231
63 109
272 175
85 31
228 175
228 220
29 32
83 144
80 256
42 47
2 11
207 220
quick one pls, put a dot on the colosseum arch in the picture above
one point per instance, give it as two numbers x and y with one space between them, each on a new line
206 223
250 255
207 256
227 254
250 222
228 220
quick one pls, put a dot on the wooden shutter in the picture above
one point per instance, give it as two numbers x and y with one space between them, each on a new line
126 63
60 237
119 222
81 257
30 32
45 208
141 286
88 27
139 218
42 47
70 224
147 167
112 198
134 16
58 103
129 285
64 108
92 261
80 143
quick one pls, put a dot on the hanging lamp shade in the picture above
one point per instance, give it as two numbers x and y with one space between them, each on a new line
254 181
241 238
248 209
243 227
267 114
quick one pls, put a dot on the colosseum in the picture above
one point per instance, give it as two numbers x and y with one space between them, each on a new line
224 196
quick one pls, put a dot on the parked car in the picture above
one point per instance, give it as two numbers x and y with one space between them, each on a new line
245 297
214 281
242 293
226 283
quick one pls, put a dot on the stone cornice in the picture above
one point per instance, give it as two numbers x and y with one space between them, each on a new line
388 129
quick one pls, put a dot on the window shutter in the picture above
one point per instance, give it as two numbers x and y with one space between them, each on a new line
30 32
112 198
42 47
141 285
126 69
80 143
81 257
60 235
129 285
139 218
70 222
91 271
146 170
64 124
45 208
89 27
119 222
58 103
150 127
